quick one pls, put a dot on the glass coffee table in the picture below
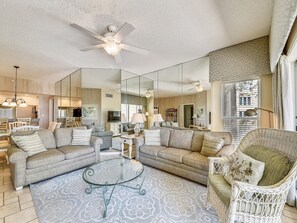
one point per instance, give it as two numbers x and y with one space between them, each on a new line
111 173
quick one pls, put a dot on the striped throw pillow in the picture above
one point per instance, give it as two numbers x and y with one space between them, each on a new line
152 137
81 137
31 144
211 145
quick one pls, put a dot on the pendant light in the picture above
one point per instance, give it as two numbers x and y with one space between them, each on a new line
157 117
13 102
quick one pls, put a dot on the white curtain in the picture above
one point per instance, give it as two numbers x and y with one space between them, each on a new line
283 95
283 106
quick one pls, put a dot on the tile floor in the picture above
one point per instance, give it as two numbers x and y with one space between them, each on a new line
18 207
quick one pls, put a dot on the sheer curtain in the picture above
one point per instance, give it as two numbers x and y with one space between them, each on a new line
283 105
283 95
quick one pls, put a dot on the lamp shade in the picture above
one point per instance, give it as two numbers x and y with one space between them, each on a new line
143 118
157 118
194 116
123 118
147 114
137 118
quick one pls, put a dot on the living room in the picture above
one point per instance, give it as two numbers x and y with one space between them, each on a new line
224 69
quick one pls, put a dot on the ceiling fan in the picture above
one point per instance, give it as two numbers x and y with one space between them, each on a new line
111 41
197 86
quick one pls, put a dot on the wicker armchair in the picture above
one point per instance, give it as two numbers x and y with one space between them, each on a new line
244 202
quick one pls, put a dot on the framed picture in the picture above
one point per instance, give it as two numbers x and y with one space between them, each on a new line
88 112
201 112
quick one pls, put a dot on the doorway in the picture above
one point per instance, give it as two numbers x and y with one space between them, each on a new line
188 115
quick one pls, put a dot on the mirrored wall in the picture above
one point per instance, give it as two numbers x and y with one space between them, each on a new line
90 95
179 93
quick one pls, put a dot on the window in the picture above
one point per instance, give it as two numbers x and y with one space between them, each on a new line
237 98
129 109
243 100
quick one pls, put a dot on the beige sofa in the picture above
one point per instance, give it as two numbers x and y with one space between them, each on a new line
60 157
179 153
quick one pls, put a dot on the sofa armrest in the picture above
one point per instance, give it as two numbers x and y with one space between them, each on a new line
226 151
15 154
96 143
18 165
138 141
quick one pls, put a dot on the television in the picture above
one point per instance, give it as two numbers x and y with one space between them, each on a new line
114 116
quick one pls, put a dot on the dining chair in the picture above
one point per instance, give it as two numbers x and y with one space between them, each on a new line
25 128
3 124
27 120
13 125
4 143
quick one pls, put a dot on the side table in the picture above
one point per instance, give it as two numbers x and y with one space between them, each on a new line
127 139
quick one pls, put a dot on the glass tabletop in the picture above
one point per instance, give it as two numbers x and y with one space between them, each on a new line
112 172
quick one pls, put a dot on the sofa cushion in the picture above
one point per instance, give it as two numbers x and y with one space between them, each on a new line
277 165
197 141
197 160
164 135
45 158
31 144
152 137
151 150
63 136
181 139
211 145
246 169
48 139
76 151
221 187
81 137
173 154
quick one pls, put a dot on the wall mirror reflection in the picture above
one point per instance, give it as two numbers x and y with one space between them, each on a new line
181 92
137 104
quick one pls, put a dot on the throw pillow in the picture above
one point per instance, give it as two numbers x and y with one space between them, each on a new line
31 144
245 169
211 145
152 137
81 137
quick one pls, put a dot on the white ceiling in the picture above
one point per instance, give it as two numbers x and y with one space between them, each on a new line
36 34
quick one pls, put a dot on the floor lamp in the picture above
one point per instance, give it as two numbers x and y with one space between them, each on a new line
253 112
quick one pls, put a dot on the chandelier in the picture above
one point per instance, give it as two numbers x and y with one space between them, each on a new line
13 102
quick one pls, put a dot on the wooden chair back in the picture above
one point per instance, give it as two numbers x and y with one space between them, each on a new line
25 128
27 120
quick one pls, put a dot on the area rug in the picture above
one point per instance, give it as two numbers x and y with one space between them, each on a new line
168 199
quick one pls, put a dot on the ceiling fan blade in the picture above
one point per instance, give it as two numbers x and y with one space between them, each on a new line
125 30
134 49
118 58
90 32
92 47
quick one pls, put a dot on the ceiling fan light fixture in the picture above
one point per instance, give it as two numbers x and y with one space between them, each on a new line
199 88
112 48
147 94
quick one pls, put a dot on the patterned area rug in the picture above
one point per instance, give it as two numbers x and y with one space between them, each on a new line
168 199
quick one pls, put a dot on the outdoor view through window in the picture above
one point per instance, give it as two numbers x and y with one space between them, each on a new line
237 98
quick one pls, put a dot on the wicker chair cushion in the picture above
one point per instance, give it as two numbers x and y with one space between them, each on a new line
246 169
221 187
277 166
